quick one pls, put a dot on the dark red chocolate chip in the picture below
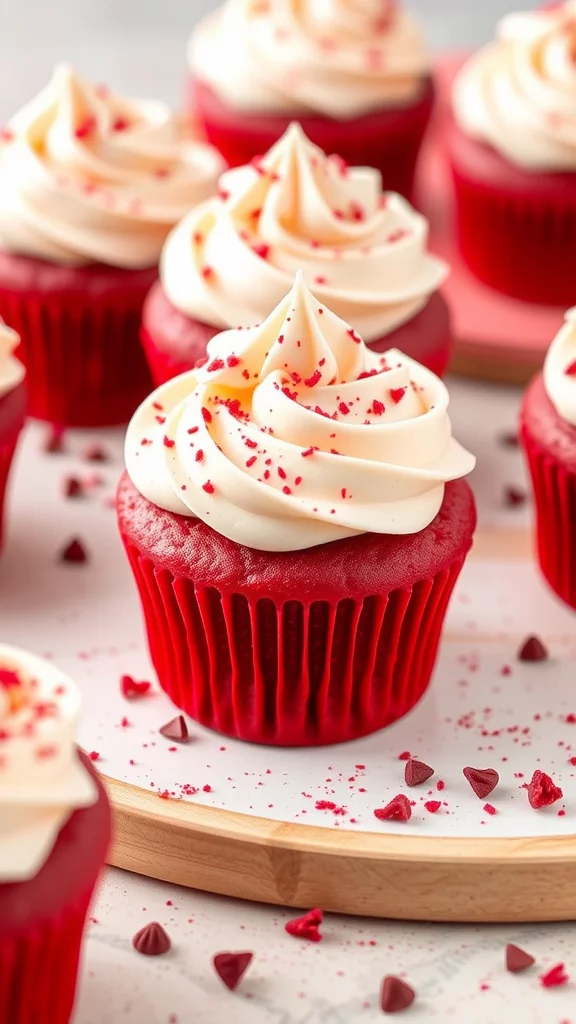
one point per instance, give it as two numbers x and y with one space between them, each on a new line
73 487
151 940
176 729
130 688
95 453
542 792
54 441
399 809
532 650
307 926
74 552
482 780
231 967
396 995
554 977
514 496
517 959
417 772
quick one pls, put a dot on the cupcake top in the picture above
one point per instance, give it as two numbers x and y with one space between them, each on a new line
294 433
560 370
364 252
337 58
41 779
87 176
11 369
519 93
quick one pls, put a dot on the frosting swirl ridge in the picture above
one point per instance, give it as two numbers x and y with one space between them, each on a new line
294 433
560 370
11 369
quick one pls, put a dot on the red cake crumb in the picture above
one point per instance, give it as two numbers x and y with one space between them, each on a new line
514 496
440 785
554 977
532 650
517 959
490 809
432 806
151 940
399 809
396 995
307 926
417 772
73 487
404 756
74 552
95 453
176 729
130 688
482 780
542 792
231 967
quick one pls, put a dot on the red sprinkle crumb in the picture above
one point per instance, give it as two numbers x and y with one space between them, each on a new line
555 977
208 487
306 927
130 688
94 755
404 756
73 487
514 496
397 394
398 809
542 792
432 806
95 453
490 809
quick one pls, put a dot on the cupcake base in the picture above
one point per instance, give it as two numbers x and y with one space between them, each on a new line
297 648
516 230
389 140
79 338
42 921
174 342
12 415
550 446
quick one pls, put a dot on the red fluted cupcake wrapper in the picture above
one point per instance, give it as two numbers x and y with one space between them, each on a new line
38 970
12 408
291 674
85 365
555 503
165 365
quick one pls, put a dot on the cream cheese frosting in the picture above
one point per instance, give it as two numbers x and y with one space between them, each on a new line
519 93
88 176
41 778
338 58
560 370
294 433
11 369
364 252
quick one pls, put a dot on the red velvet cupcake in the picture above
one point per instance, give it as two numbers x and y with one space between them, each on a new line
295 521
54 833
548 433
512 146
12 408
357 79
230 261
90 185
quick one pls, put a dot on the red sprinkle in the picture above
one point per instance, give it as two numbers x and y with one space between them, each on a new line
398 809
570 370
396 995
517 959
533 650
74 552
555 977
417 772
404 756
206 415
262 250
168 442
95 453
231 967
490 809
397 394
199 455
94 755
121 124
86 127
208 273
73 488
542 792
482 780
378 408
130 688
432 806
307 926
311 381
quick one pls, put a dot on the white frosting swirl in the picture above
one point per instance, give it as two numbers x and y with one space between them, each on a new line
41 779
88 176
294 434
364 252
560 370
12 371
519 93
338 58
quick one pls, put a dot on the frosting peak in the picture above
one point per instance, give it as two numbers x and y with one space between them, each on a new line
363 251
86 175
338 58
560 370
293 434
519 93
11 369
41 779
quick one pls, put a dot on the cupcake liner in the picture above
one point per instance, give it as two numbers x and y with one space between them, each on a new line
85 365
291 673
388 139
555 502
12 409
516 231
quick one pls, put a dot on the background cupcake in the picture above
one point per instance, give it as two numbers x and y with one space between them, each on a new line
232 260
90 184
548 431
356 76
295 522
513 154
54 832
12 408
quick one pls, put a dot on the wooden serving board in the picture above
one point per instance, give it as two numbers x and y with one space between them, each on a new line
252 821
497 338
